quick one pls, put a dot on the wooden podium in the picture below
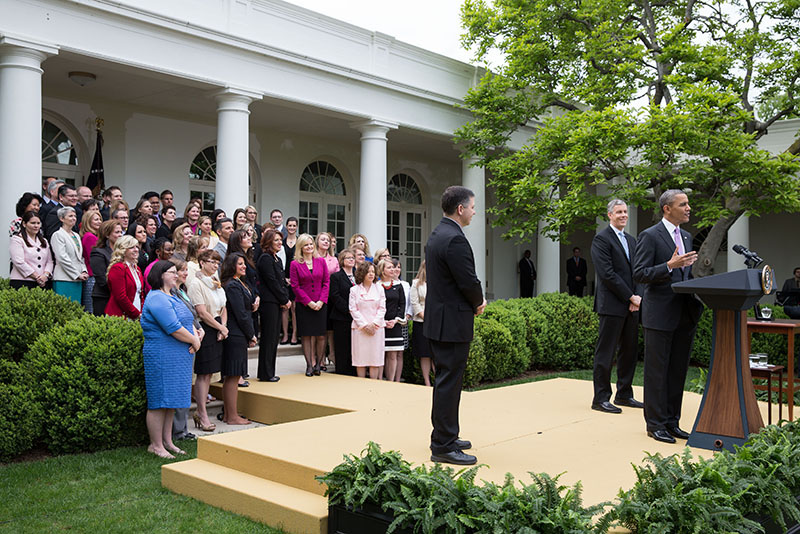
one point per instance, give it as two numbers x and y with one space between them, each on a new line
729 410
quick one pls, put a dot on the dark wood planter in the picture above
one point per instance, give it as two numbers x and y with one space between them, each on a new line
370 520
770 527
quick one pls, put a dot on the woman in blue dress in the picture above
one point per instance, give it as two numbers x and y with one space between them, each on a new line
170 342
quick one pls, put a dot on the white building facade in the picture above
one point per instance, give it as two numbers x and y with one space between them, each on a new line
265 103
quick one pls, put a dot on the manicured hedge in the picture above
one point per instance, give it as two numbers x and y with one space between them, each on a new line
88 375
21 415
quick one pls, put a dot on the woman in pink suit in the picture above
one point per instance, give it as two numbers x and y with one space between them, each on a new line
368 307
310 282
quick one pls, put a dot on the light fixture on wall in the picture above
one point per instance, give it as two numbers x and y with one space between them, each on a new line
82 78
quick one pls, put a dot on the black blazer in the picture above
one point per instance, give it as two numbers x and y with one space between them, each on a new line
240 309
100 259
339 297
661 307
454 291
614 273
273 282
573 270
527 271
51 223
164 231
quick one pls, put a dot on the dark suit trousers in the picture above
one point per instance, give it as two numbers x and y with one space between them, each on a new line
666 361
615 332
526 288
451 362
343 347
268 344
99 305
575 290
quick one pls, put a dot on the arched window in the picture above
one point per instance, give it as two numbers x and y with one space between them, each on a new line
59 154
323 201
405 220
203 179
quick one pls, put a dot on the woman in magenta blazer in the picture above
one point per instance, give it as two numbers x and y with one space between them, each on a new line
310 282
125 281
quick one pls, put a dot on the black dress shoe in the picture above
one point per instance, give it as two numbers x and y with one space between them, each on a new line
273 379
463 444
606 407
661 435
309 371
244 384
454 457
676 432
630 403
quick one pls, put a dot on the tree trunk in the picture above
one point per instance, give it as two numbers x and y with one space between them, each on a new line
707 254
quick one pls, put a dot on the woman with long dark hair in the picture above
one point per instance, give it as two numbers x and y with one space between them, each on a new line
31 263
275 296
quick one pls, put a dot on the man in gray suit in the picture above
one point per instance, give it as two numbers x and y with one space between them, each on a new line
617 303
664 256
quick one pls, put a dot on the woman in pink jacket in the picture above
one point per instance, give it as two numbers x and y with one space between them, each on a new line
368 307
31 262
310 282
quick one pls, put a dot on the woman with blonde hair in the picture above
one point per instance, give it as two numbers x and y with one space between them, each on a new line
180 240
204 229
420 346
360 240
90 226
197 244
310 282
100 259
125 280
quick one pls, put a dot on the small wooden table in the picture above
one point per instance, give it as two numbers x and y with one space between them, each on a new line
767 373
785 327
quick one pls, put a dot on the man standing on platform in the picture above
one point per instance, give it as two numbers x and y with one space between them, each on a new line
576 273
455 297
617 302
663 257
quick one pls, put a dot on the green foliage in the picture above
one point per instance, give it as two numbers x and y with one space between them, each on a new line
580 69
21 416
514 321
568 333
499 348
4 284
476 363
701 350
439 499
25 314
89 376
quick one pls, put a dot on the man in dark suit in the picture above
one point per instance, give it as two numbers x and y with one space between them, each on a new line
527 275
576 273
663 257
67 196
455 297
617 303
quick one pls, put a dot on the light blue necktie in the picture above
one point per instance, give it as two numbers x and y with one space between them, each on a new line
624 244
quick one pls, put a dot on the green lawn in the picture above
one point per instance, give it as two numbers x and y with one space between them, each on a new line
120 491
115 491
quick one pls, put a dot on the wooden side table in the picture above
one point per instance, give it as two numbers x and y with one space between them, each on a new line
784 327
767 373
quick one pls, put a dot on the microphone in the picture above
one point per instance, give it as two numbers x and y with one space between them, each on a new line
749 254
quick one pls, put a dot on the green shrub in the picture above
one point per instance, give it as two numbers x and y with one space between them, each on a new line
498 347
4 284
476 363
568 333
701 350
509 316
25 314
89 376
21 415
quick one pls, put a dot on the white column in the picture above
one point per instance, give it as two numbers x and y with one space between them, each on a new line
738 234
233 149
474 178
548 264
372 182
632 227
20 125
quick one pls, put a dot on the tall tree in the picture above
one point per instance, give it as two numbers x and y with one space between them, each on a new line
639 95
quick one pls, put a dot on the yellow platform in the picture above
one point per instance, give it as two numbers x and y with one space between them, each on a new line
268 473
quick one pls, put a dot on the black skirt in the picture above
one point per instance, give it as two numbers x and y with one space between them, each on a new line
208 359
234 356
310 322
420 346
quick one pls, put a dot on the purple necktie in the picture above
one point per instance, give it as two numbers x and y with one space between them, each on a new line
678 241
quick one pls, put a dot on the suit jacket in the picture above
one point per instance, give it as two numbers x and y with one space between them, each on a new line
122 288
99 259
51 223
273 284
614 273
454 291
240 309
339 297
68 255
661 307
574 270
27 261
310 286
527 272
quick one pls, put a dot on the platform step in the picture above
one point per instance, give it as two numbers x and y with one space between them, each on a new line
283 350
277 505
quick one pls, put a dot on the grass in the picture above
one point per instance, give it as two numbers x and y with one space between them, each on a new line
111 491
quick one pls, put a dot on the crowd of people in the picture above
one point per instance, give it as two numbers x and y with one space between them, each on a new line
208 287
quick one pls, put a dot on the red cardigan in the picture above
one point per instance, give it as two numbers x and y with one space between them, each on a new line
122 287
